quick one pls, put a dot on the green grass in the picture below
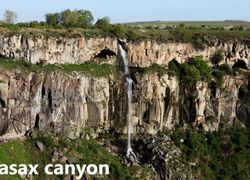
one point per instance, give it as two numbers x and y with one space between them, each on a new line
81 151
219 155
191 23
196 33
86 68
155 68
95 153
24 152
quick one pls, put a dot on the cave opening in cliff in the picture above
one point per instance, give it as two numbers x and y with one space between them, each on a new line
105 54
146 116
166 99
213 89
43 92
2 103
37 121
248 83
50 100
240 64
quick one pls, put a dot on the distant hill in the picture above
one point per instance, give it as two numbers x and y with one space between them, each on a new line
193 23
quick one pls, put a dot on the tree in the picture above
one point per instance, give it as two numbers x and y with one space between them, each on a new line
200 64
85 18
103 23
68 18
119 30
190 73
52 18
10 16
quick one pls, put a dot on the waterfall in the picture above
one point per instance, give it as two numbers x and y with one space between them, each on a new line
129 83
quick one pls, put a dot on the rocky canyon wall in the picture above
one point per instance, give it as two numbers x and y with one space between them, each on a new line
69 103
38 48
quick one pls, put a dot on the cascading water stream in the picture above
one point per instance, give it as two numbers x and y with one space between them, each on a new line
129 82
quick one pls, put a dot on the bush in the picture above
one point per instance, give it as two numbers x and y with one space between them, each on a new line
218 75
190 73
174 68
225 68
118 30
194 70
220 155
202 66
217 58
197 41
155 68
103 24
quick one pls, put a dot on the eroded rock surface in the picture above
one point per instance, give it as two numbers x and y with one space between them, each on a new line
71 102
42 49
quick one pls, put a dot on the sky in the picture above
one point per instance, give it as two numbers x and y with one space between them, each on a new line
134 10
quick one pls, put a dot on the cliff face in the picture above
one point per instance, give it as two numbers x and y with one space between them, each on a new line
42 49
69 103
52 101
146 53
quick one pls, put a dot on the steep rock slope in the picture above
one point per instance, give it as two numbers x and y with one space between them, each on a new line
39 48
71 102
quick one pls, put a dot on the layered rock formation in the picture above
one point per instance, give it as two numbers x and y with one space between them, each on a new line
38 48
69 103
63 103
60 102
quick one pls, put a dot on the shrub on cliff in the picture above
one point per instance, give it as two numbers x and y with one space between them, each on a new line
202 66
194 70
190 73
218 76
225 68
197 41
174 68
154 68
217 57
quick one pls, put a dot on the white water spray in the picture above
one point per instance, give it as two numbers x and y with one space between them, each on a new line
129 81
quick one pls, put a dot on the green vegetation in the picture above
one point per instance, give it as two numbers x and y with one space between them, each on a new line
217 58
25 152
10 16
219 155
192 71
203 67
81 151
155 68
220 71
190 74
218 76
80 23
197 69
174 68
191 24
103 23
86 68
68 18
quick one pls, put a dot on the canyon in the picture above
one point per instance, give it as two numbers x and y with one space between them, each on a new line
36 47
70 103
77 100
